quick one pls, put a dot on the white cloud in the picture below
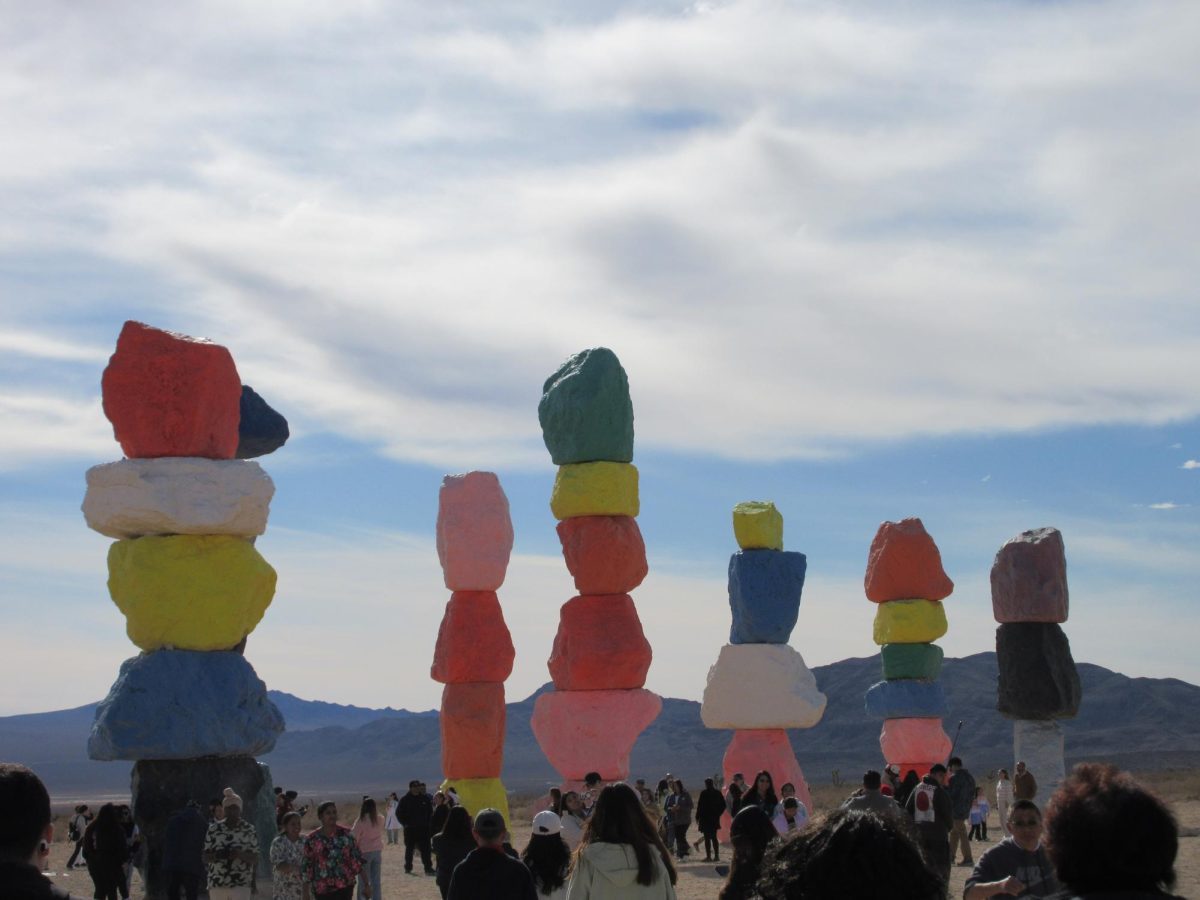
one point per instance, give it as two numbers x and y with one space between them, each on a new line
1191 464
1166 505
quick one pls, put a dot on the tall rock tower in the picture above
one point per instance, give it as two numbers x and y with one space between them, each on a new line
600 657
906 579
185 507
1039 684
474 652
759 686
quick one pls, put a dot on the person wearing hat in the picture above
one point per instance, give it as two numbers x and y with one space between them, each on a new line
230 852
79 823
488 873
547 856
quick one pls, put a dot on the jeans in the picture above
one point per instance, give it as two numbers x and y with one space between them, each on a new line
371 874
712 847
681 844
393 835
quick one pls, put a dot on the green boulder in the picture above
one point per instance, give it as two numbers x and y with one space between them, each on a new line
922 661
585 411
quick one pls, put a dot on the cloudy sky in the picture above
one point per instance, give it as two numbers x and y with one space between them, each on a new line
868 260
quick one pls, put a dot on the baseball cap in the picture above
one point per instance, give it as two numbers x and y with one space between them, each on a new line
546 822
489 823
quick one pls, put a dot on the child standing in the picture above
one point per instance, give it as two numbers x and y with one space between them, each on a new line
979 814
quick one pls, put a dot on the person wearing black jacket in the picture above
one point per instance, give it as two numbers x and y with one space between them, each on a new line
183 852
414 812
25 836
488 872
451 846
930 808
709 807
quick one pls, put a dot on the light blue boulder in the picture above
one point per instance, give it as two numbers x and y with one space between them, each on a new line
764 595
907 699
184 704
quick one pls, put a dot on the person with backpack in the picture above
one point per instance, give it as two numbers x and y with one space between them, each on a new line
76 828
931 811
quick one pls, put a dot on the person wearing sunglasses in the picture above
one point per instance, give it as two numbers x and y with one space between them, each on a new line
1018 866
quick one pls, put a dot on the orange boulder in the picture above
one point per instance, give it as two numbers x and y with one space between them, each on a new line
472 721
600 645
473 643
904 564
604 554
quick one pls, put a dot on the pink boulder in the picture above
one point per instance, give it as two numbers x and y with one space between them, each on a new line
474 532
592 731
600 645
904 564
1029 578
472 721
167 394
473 643
753 750
908 739
604 554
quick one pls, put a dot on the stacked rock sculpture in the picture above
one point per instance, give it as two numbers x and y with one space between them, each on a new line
591 720
1038 684
906 579
189 710
759 686
474 651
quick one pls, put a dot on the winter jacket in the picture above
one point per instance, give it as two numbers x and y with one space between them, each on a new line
488 873
709 808
609 872
415 810
183 843
679 808
1024 785
450 852
962 793
22 881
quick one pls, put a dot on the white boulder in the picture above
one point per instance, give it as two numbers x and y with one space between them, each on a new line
178 495
761 686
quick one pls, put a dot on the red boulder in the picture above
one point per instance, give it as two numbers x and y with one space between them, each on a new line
904 564
600 645
604 554
168 394
473 643
472 723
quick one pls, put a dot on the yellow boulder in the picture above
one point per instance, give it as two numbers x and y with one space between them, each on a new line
191 592
595 489
480 793
909 622
757 525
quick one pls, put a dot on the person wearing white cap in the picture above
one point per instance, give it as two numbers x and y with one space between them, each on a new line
547 856
231 851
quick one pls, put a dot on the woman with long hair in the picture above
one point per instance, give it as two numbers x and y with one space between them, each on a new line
547 856
556 801
709 807
762 794
572 819
105 851
621 854
441 809
368 831
451 845
750 833
391 824
679 813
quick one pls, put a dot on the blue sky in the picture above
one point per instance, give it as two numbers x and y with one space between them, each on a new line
866 260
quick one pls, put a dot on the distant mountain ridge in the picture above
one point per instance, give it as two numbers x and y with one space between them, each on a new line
1138 723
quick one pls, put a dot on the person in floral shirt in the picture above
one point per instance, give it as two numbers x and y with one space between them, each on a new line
230 851
287 860
332 859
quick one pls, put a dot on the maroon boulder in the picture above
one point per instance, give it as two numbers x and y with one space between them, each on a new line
1029 578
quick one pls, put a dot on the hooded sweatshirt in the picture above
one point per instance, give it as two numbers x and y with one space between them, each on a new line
609 872
488 873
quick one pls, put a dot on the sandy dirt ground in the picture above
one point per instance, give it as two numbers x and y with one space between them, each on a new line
698 880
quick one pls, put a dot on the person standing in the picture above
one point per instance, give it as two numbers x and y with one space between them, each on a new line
1024 784
621 854
679 813
287 860
547 857
25 836
750 833
1004 799
871 798
762 794
451 845
183 851
979 816
441 809
391 824
488 872
709 806
1017 866
572 819
332 861
79 824
105 851
734 793
231 851
929 806
415 813
368 831
962 795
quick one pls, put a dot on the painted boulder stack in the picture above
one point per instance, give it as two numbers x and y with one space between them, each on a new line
759 686
474 651
184 506
906 581
1038 685
600 657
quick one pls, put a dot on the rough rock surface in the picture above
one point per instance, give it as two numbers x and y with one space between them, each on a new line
479 793
178 495
751 751
909 622
1038 678
907 700
261 430
474 532
758 525
764 595
600 645
585 411
167 394
604 554
1040 745
179 704
163 787
761 686
905 740
595 489
592 731
904 564
1029 578
922 661
472 721
190 592
473 642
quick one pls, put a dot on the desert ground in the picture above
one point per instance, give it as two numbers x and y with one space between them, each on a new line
697 880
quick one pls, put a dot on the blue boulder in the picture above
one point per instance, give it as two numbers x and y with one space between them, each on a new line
764 594
907 699
261 430
183 704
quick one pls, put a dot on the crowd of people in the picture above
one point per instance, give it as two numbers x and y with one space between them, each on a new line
1100 835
